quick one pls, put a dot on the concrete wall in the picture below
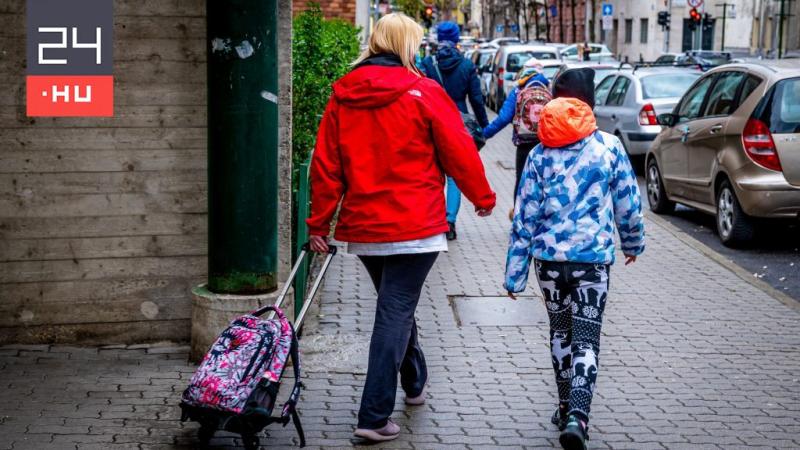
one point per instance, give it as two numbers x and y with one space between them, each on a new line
103 220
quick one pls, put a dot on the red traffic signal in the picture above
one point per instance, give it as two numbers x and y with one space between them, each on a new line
695 15
429 11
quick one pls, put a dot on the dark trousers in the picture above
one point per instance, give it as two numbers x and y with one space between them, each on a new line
522 156
394 346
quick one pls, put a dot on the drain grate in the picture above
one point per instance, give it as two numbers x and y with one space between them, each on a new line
498 311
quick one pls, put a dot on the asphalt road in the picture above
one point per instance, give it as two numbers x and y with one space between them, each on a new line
773 257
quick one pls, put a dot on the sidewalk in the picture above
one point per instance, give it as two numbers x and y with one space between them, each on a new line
692 357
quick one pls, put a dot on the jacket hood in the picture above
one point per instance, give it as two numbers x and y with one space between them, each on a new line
373 85
565 121
448 57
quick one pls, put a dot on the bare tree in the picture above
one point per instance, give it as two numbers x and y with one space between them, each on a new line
561 21
592 35
574 22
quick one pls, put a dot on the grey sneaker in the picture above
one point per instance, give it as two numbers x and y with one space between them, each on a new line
389 431
418 400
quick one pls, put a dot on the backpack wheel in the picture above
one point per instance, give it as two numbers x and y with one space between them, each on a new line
205 434
251 442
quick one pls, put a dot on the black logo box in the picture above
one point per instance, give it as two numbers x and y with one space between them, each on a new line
83 15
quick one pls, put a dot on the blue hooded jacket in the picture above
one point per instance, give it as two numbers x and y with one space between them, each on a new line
506 113
460 79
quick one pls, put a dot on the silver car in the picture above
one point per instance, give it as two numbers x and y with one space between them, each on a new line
628 101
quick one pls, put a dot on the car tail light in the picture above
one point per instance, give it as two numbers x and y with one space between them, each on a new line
758 145
500 77
647 116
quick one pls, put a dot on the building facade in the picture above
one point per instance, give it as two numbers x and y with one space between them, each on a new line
749 28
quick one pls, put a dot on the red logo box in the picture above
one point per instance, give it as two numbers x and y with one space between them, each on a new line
70 95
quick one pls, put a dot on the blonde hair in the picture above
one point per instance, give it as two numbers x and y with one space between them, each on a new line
397 34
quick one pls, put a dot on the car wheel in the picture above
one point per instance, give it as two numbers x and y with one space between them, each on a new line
656 193
733 225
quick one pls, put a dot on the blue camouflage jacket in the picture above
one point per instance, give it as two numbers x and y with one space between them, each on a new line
569 201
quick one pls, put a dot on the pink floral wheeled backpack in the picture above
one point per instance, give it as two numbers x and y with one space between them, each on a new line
238 378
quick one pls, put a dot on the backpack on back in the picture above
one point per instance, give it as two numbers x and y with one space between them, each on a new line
530 102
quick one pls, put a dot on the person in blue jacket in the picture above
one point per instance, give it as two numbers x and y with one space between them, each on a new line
459 77
531 73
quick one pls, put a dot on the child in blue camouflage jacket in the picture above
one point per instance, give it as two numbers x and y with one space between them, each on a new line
577 186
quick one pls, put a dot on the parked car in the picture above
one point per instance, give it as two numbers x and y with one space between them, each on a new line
497 43
628 101
482 59
731 147
705 59
508 60
597 52
600 70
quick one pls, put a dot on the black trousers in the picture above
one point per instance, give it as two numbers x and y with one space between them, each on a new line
394 346
522 156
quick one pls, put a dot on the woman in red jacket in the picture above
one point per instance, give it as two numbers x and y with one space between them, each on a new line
385 143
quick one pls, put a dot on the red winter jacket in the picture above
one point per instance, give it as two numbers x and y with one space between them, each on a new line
384 145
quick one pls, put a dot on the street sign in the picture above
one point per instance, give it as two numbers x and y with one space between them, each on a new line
514 28
608 9
499 28
553 10
695 3
608 23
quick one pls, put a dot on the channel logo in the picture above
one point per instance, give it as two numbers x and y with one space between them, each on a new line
70 58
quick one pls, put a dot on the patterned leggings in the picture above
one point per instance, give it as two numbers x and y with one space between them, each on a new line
575 295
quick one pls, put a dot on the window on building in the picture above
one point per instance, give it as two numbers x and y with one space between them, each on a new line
628 31
643 28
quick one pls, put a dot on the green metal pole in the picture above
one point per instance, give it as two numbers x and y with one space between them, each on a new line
242 145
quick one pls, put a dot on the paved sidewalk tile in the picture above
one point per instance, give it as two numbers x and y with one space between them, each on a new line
692 357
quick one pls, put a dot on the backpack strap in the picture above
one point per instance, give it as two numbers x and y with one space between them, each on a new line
290 407
438 72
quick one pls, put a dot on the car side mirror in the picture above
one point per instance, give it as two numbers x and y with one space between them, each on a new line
667 119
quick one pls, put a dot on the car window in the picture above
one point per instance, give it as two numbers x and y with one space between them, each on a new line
515 61
750 85
603 88
667 85
722 99
689 107
550 71
484 60
571 51
780 107
617 95
497 59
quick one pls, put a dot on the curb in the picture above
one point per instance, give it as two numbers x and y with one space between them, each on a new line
722 261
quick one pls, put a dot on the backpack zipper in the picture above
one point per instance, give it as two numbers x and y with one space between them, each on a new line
253 359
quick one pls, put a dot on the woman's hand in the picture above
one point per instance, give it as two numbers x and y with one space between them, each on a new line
630 259
512 296
318 244
484 212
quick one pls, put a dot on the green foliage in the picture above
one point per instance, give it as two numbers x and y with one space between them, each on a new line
322 51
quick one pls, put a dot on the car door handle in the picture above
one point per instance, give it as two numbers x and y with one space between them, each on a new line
715 129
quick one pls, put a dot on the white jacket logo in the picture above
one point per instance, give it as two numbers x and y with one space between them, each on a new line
415 93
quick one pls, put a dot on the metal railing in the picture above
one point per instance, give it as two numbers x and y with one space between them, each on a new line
303 201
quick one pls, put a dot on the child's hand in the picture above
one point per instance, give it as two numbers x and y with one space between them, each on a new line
511 295
630 259
484 212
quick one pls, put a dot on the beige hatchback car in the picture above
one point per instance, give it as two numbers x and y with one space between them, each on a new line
731 147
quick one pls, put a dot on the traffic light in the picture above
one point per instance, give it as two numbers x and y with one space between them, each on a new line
694 18
708 22
664 19
428 19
